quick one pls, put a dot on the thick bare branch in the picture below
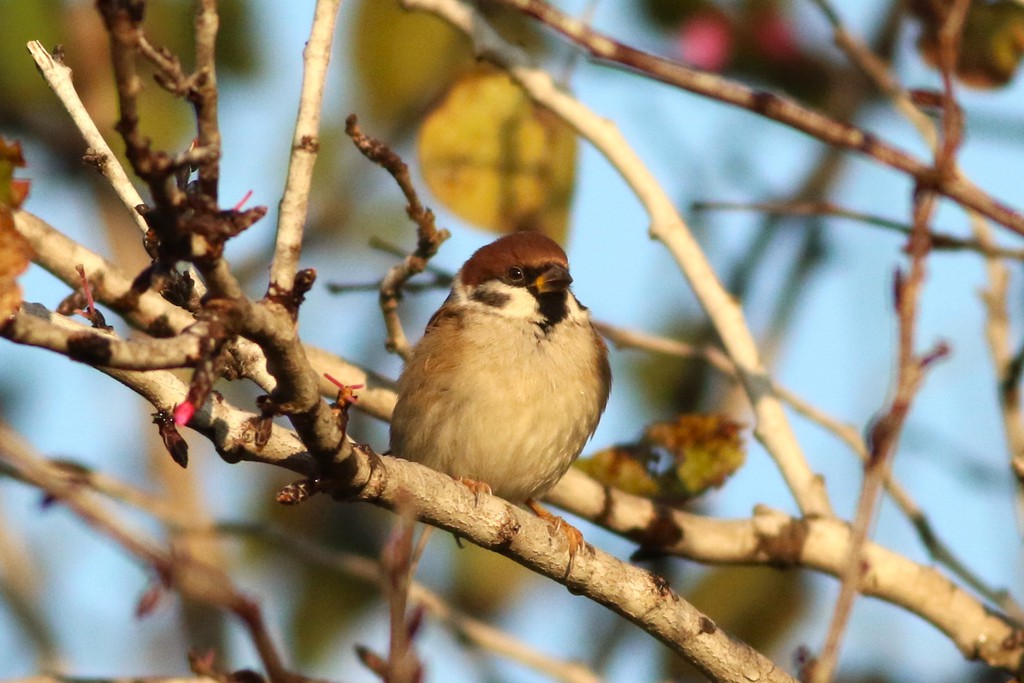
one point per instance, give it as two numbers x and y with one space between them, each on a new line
822 544
636 594
640 596
33 326
151 313
848 434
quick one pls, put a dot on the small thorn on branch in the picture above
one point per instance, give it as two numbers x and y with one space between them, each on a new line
150 600
940 352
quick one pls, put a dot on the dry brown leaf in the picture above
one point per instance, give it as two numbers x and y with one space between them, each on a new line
15 252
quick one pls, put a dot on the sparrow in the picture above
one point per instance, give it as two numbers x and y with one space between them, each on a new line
510 378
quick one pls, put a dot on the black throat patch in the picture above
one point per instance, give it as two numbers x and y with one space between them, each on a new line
553 307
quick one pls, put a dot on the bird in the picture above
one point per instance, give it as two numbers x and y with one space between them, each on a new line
510 378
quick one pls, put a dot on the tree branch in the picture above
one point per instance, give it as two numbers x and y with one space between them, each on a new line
428 237
822 544
58 77
305 146
190 576
33 326
769 105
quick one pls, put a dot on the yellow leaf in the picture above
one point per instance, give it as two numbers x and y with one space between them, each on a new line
622 467
15 252
403 59
498 161
991 46
706 450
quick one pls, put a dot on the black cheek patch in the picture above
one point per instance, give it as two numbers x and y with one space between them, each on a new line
489 297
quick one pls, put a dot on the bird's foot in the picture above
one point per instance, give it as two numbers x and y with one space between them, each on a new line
477 487
572 535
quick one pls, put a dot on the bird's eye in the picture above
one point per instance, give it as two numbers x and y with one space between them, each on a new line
516 275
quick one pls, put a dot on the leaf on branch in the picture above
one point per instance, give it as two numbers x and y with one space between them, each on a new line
675 460
498 161
705 450
624 467
992 44
15 252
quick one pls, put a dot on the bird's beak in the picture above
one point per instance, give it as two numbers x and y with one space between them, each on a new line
554 279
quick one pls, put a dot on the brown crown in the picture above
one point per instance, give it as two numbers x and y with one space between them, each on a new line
528 250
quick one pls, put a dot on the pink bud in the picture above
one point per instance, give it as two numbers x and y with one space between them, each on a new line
706 40
183 413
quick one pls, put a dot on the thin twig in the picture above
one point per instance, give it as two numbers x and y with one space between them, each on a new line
21 589
205 99
58 77
997 326
294 204
99 154
191 576
1007 364
398 565
769 105
877 70
940 241
428 237
349 287
911 368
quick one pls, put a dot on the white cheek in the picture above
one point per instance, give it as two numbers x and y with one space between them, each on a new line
521 304
515 302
